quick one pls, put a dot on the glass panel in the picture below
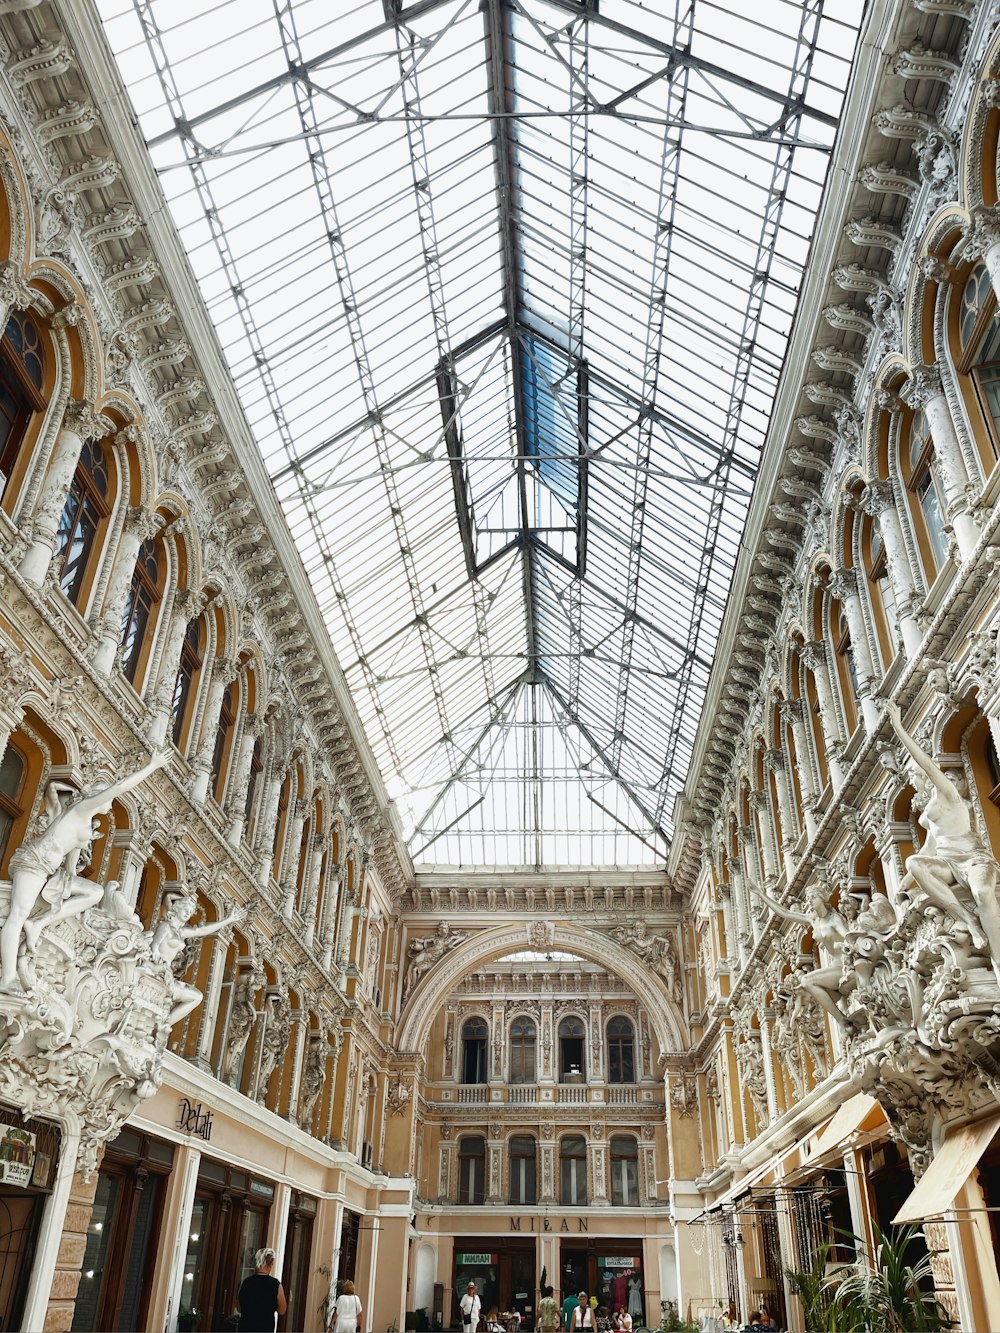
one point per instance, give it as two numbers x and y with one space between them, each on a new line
87 1312
195 1261
428 310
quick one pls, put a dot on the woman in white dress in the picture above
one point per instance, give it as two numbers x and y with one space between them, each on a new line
347 1311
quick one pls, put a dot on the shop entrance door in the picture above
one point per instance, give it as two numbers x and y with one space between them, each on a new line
517 1284
20 1215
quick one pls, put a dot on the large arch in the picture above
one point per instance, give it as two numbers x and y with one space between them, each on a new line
487 945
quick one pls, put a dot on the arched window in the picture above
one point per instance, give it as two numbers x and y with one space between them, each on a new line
139 614
472 1170
224 738
621 1051
12 770
85 512
22 369
624 1172
846 665
522 1170
571 1051
923 481
573 1170
475 1036
522 1051
192 656
979 351
882 595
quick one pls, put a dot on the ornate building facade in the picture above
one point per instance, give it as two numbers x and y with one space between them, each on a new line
232 1015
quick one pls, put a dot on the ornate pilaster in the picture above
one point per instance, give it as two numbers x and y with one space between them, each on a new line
843 586
924 390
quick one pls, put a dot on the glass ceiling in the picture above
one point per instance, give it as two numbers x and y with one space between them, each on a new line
505 288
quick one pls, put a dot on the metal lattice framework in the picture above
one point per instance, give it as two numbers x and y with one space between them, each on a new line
505 287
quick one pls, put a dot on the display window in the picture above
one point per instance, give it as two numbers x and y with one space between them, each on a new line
228 1226
123 1235
610 1270
298 1249
505 1280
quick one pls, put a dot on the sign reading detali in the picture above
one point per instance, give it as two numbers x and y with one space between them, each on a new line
194 1120
17 1156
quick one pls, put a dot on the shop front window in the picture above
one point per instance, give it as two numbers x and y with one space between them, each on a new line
193 1283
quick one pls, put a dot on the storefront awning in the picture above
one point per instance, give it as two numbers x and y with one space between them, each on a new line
859 1112
955 1161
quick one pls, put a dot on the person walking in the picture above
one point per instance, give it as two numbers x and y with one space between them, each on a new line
471 1307
261 1296
548 1312
583 1315
346 1316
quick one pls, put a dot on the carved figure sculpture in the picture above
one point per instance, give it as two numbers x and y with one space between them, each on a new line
656 951
313 1077
46 866
169 939
277 1026
242 1017
425 951
829 930
953 868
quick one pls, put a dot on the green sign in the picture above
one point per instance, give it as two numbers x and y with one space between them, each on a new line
477 1260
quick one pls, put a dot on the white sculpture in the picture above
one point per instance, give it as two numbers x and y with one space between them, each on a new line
169 937
829 929
656 951
313 1077
277 1027
242 1017
46 866
953 868
425 951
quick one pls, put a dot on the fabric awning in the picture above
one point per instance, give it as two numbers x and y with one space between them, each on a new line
859 1112
955 1161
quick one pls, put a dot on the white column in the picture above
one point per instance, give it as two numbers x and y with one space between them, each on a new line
50 1236
224 671
139 525
765 834
209 1010
239 788
814 655
295 1082
277 1225
774 762
80 423
186 605
792 711
312 887
923 389
291 853
844 586
879 500
267 824
769 1083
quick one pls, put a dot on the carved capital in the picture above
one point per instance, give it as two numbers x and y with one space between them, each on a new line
922 386
843 584
142 522
877 498
83 418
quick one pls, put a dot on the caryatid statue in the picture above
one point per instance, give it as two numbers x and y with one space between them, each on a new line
170 936
46 865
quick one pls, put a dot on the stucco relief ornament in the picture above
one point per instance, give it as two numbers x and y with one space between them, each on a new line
656 951
86 1011
425 951
398 1095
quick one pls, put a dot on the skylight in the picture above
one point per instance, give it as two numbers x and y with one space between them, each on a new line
505 287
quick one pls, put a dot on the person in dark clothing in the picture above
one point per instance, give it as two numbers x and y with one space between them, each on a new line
261 1296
